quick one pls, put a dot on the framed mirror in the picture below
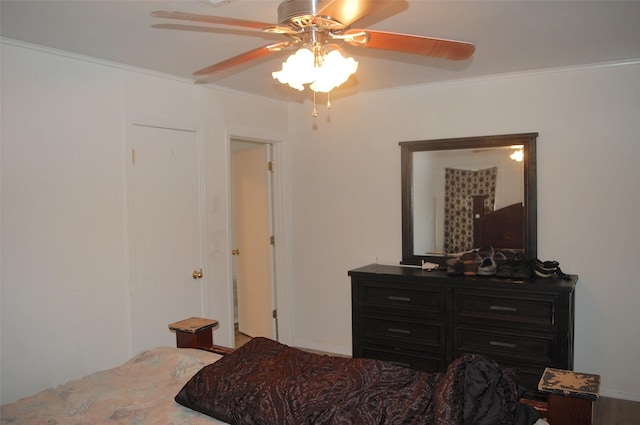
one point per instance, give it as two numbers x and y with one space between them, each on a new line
466 193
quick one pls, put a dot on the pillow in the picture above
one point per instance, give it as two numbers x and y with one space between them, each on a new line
265 382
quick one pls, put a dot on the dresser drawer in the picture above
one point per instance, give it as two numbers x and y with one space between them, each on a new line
403 297
427 362
403 330
510 307
537 349
526 375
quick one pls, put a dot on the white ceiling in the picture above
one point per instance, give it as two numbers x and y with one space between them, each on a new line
510 36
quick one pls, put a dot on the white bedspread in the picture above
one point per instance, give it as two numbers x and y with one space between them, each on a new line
140 391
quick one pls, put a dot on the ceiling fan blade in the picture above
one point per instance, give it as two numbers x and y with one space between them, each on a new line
258 53
211 19
349 11
413 44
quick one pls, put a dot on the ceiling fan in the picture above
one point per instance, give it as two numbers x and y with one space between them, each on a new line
317 27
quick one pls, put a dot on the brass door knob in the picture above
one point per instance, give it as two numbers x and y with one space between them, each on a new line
235 252
197 274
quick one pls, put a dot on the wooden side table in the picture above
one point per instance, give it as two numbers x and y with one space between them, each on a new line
571 396
195 332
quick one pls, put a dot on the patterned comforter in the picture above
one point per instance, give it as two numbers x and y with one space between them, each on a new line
140 391
265 382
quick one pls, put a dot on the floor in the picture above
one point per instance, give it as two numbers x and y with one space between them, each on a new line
607 410
613 411
241 339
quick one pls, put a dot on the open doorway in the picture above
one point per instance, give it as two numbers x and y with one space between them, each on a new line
254 283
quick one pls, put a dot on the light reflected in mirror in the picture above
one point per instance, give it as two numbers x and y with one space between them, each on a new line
466 193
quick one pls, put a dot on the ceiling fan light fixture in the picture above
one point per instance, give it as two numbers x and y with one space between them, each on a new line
335 71
322 68
297 70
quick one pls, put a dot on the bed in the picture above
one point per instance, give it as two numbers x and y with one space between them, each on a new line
265 382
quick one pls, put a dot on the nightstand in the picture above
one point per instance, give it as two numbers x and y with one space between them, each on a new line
195 332
571 396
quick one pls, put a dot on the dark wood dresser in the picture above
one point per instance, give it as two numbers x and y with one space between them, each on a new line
424 320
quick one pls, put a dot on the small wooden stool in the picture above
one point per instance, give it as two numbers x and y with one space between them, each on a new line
571 396
195 332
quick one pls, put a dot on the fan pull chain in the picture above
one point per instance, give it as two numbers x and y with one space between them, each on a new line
315 111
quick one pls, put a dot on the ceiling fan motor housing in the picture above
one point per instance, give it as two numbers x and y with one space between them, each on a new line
305 13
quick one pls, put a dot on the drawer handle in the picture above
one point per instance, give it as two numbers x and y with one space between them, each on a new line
396 298
400 364
503 308
502 344
399 331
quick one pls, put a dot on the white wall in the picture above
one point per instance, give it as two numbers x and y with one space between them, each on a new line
346 191
64 273
64 299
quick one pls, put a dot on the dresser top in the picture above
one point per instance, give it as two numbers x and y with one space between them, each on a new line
415 273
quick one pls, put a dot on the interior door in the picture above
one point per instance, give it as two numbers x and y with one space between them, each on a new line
252 234
165 226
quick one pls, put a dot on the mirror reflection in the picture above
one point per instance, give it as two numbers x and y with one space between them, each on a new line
457 194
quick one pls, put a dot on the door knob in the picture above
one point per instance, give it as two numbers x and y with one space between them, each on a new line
235 252
197 274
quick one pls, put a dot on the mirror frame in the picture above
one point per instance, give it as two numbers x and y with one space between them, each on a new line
528 140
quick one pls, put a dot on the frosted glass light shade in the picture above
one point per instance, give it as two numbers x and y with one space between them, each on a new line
323 74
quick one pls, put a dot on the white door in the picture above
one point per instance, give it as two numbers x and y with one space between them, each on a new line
165 225
252 234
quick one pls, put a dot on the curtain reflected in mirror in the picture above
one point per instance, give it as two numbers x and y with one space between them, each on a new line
461 188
